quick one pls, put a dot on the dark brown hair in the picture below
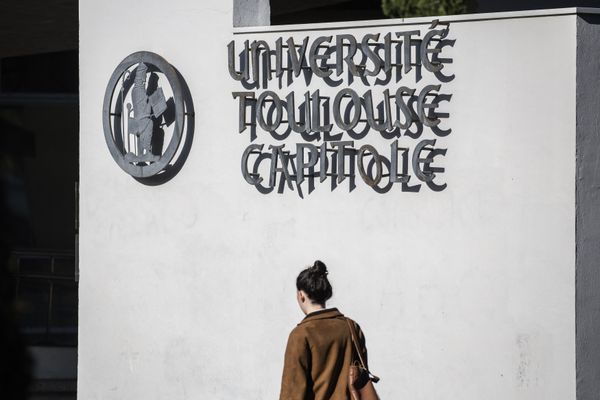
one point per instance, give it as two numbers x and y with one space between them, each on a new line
313 281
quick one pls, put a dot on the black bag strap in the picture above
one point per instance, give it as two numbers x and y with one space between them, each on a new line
358 351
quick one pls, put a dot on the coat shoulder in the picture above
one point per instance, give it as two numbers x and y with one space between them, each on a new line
298 332
354 323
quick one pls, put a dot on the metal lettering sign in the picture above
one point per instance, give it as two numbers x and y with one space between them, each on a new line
327 124
146 115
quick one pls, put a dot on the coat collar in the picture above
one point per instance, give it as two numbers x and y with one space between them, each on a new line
322 314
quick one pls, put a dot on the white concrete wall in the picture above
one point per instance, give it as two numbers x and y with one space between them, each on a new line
187 289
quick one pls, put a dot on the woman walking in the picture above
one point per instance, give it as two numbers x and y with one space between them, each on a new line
320 348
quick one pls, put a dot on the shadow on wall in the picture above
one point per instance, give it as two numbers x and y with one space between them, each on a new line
255 72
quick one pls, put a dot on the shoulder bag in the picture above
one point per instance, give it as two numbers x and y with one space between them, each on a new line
360 384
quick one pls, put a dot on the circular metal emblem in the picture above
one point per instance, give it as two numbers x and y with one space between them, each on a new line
144 114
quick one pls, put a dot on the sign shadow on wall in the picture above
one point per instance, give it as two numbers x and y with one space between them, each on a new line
321 121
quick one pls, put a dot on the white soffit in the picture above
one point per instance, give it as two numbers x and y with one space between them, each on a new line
417 21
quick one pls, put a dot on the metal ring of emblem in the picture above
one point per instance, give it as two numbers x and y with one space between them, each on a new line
144 171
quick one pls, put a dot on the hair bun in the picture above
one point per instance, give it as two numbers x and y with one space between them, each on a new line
319 268
313 281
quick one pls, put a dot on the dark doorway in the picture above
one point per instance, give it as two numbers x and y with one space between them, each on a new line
39 169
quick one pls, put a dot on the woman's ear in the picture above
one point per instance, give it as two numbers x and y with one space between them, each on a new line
301 296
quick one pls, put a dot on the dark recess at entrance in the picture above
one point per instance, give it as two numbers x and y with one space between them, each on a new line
39 171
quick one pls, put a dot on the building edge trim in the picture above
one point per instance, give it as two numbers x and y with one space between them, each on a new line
416 21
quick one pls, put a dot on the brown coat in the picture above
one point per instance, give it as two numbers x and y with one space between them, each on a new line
318 356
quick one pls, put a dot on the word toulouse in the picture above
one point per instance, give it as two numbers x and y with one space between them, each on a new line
310 120
396 112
